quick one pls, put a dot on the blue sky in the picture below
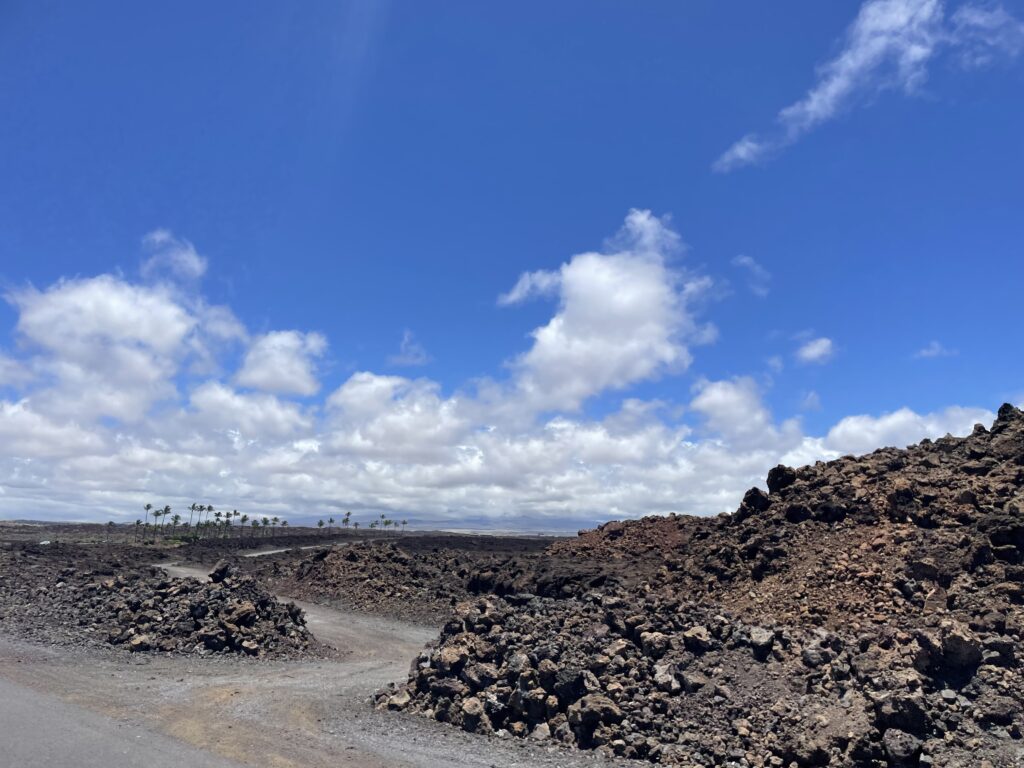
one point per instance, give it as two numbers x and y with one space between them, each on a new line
285 193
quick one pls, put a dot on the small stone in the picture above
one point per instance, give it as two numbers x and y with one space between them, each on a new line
901 747
697 639
400 700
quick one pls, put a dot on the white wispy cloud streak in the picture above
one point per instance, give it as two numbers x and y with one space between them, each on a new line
132 398
759 279
173 255
889 46
934 349
410 352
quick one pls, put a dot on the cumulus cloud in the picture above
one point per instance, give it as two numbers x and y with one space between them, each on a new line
12 372
934 349
818 350
734 410
107 347
283 362
518 454
253 415
624 316
758 278
395 417
172 256
410 352
888 46
860 434
27 434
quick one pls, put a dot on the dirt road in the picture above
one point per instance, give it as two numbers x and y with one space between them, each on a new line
41 730
281 714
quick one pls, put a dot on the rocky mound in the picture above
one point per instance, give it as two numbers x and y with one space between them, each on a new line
865 612
46 596
378 577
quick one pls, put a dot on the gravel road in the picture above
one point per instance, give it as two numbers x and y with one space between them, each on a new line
243 712
41 731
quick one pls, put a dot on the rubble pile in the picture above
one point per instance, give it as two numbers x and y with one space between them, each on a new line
381 578
56 598
863 612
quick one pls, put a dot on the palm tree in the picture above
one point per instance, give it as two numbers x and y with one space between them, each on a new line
191 511
330 522
356 525
284 524
274 521
345 520
138 530
320 524
265 522
254 525
147 508
404 523
373 524
241 531
175 521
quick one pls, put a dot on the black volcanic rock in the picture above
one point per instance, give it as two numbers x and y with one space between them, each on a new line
867 612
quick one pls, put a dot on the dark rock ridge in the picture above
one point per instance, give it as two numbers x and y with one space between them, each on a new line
864 612
56 595
383 577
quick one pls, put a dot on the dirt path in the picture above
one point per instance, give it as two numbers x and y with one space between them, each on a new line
51 732
268 714
265 552
360 636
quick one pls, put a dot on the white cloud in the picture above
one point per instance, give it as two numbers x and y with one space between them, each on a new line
747 151
623 317
530 284
818 350
171 255
811 401
986 33
514 453
253 415
759 279
733 409
934 349
861 434
107 347
28 434
410 352
887 47
283 362
13 373
396 418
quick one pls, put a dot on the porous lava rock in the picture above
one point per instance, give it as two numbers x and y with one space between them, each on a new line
865 611
66 595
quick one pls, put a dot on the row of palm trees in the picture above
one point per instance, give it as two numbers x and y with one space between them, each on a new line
200 525
205 522
384 522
